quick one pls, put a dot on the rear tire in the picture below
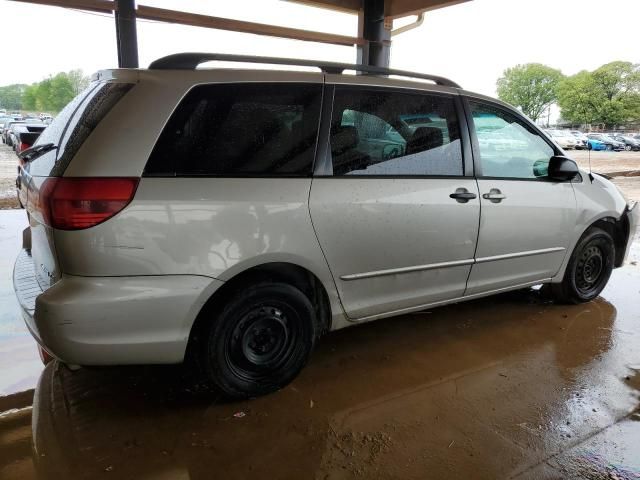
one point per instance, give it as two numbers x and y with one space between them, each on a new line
609 148
589 268
259 341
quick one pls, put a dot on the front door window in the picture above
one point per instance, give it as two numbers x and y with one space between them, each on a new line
509 147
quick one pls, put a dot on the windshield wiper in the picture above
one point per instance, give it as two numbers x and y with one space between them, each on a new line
37 150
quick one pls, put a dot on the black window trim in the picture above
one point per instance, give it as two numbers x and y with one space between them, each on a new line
466 101
321 84
324 164
89 91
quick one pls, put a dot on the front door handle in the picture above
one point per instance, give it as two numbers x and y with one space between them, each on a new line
462 195
494 195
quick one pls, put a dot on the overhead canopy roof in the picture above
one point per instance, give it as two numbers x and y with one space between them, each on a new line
373 39
393 8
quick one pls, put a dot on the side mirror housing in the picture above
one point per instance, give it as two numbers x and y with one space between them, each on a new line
562 169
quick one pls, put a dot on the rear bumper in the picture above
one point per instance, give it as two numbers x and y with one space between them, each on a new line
114 320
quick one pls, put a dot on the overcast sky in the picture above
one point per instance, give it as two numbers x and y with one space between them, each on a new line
472 43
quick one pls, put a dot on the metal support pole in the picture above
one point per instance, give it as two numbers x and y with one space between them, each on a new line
126 33
371 26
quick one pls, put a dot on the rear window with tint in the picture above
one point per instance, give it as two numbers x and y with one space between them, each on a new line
257 129
72 126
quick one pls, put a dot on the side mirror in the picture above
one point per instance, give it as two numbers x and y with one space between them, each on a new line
562 168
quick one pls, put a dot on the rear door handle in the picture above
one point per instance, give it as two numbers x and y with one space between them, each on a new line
462 195
494 195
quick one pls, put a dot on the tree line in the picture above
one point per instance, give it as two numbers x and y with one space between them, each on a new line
608 95
49 95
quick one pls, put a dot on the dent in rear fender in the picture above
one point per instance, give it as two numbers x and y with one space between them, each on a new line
118 320
594 200
215 227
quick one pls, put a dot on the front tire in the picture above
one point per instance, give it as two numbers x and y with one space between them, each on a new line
589 268
259 341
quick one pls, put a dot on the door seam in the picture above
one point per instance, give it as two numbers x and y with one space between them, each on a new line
315 233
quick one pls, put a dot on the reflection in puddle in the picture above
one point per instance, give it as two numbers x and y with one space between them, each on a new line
479 390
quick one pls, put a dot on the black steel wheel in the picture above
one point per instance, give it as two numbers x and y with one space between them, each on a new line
589 268
260 340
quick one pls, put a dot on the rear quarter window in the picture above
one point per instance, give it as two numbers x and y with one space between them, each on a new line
73 125
256 129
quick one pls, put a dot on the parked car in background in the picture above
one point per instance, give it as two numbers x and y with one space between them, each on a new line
11 135
254 215
630 143
12 132
4 120
26 134
581 139
6 138
563 138
597 145
609 142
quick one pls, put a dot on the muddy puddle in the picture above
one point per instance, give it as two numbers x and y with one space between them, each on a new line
506 387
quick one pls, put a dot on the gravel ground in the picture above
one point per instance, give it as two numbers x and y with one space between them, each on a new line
608 162
624 165
8 171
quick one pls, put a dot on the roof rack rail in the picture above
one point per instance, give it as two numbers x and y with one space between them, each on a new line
189 61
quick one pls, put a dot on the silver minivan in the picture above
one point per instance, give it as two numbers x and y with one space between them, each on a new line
234 216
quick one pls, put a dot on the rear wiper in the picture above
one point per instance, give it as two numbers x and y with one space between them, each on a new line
37 150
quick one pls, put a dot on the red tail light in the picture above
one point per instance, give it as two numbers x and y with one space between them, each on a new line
45 356
23 146
77 203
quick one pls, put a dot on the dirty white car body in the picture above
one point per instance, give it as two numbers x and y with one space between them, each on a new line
131 289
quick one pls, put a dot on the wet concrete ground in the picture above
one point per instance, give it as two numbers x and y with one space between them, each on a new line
506 387
20 364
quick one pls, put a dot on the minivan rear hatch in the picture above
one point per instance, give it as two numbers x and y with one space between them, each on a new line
49 157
